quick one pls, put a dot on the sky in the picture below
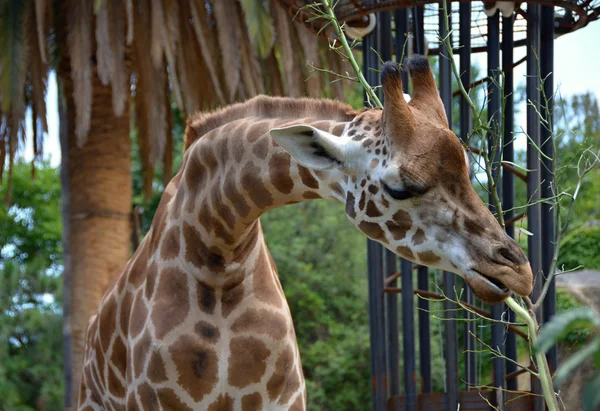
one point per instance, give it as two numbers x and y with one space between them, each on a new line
576 70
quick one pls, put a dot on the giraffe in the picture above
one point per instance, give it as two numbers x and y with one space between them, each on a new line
198 318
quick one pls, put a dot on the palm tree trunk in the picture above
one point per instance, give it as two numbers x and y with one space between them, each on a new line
99 180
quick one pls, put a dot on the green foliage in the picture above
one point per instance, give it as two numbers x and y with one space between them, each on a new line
556 330
31 376
580 249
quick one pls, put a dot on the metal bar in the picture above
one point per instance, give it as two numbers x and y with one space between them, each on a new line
384 47
547 169
408 337
450 325
508 179
422 272
375 271
495 152
418 14
393 343
408 315
533 164
465 129
424 332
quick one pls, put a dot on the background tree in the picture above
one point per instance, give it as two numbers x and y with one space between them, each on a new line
31 293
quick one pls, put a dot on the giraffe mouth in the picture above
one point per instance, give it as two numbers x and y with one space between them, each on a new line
494 282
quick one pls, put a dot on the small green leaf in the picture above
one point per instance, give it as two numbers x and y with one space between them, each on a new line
563 323
576 360
529 233
591 394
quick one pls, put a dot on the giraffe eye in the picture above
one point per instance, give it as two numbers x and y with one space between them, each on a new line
402 194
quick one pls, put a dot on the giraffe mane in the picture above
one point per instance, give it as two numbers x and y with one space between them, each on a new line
266 107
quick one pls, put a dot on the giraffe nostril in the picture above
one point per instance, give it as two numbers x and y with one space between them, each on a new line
514 256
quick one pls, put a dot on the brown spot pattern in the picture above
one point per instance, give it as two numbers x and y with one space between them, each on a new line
139 312
230 190
231 298
249 354
307 178
350 206
223 403
284 367
261 321
406 253
206 297
196 365
428 257
261 148
372 230
107 322
418 237
372 210
170 243
254 186
264 283
207 331
171 305
170 401
156 368
148 397
139 353
151 275
252 402
279 171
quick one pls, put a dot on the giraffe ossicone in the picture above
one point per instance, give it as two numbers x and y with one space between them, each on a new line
198 319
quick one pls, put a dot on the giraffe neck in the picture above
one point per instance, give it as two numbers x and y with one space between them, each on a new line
229 178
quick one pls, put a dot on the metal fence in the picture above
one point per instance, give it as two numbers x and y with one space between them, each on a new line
390 282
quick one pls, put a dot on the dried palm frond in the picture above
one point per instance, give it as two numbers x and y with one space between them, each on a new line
251 71
168 151
191 69
104 51
129 9
291 70
41 6
165 17
120 75
37 69
79 42
151 96
230 39
13 56
37 80
204 32
310 47
12 80
260 25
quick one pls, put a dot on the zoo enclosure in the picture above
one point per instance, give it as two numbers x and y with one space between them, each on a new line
481 29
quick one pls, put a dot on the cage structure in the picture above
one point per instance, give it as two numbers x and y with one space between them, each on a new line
481 28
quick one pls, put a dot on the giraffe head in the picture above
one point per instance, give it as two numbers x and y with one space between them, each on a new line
408 186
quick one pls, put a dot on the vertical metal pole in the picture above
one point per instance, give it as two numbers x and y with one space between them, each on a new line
408 314
465 129
533 164
449 278
508 179
547 169
494 152
375 271
422 272
384 28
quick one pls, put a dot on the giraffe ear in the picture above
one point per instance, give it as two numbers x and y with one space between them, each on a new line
312 148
